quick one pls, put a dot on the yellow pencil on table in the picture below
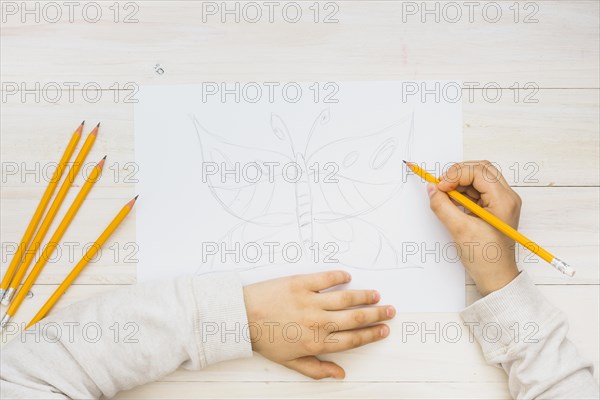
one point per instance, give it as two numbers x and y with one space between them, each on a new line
53 243
39 212
82 263
47 221
497 223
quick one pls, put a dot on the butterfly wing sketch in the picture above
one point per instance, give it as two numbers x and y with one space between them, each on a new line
239 177
361 173
321 206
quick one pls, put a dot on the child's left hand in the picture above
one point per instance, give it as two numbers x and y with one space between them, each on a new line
290 321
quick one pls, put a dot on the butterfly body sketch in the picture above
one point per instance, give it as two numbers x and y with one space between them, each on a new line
304 212
314 199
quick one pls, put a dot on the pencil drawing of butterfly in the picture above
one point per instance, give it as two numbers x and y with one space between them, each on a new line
321 202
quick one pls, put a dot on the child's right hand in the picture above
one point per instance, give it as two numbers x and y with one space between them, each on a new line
487 254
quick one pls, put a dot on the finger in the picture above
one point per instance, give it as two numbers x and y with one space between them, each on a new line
442 206
346 340
341 299
462 172
493 174
344 320
473 199
314 368
325 280
469 191
482 175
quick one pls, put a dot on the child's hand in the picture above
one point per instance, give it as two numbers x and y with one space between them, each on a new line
487 254
291 322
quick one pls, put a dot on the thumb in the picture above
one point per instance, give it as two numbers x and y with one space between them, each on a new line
314 368
445 210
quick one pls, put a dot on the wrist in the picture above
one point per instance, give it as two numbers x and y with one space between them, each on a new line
495 279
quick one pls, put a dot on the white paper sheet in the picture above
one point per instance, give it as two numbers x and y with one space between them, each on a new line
276 187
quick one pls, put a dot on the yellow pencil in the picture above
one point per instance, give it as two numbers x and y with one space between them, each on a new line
497 223
47 221
82 263
53 243
37 215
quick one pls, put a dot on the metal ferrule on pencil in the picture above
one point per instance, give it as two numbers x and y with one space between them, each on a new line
563 267
8 296
5 320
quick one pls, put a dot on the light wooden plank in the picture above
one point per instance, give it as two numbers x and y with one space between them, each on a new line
372 40
549 216
554 142
319 390
441 350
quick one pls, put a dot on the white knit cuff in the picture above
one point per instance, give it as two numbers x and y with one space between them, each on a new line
515 314
221 325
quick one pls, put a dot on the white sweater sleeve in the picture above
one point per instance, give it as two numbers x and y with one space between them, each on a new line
127 338
519 330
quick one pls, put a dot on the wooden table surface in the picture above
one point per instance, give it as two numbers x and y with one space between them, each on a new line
542 129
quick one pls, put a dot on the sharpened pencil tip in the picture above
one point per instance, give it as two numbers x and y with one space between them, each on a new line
80 128
83 122
404 161
132 202
101 163
94 131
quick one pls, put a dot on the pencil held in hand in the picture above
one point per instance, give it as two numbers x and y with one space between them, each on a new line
41 208
82 263
497 223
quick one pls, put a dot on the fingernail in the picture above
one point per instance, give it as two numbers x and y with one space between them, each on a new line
376 296
384 331
390 311
430 189
348 277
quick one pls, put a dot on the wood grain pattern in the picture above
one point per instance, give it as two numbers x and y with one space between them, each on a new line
319 390
372 40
